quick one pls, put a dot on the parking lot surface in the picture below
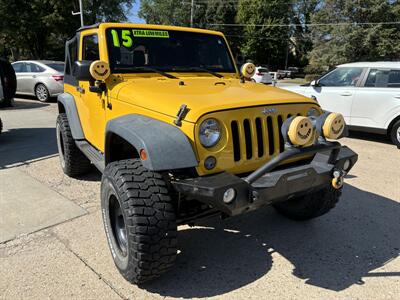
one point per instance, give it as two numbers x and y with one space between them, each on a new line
52 242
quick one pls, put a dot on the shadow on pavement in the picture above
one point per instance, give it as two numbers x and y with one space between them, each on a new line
372 137
28 102
332 252
22 144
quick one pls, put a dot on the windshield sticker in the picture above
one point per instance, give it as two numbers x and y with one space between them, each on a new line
150 33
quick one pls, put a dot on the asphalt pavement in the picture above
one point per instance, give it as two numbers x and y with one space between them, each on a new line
52 242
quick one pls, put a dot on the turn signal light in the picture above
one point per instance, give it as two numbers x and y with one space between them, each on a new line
143 154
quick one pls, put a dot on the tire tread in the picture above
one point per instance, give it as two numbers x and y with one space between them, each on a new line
150 219
76 163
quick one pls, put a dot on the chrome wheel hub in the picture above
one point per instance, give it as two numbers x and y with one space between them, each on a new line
398 134
41 93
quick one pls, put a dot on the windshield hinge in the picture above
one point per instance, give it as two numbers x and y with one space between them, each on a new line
183 110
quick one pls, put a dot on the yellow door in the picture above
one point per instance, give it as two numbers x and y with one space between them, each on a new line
91 106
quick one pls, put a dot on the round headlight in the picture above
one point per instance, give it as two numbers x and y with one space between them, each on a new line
209 133
313 112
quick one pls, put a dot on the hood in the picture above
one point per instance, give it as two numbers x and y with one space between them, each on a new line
201 95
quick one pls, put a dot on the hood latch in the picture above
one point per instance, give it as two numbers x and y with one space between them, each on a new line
183 110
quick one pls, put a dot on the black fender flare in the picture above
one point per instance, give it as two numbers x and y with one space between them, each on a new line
68 102
166 146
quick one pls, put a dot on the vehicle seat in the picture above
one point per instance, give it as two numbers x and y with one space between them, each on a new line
138 58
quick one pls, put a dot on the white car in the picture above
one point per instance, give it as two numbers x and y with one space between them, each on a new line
40 78
262 76
366 93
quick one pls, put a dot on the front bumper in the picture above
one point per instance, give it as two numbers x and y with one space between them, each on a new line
270 184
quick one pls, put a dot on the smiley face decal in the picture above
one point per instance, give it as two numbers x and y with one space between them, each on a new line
333 126
100 70
248 70
301 131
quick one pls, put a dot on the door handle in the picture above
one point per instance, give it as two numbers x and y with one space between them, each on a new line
346 94
80 89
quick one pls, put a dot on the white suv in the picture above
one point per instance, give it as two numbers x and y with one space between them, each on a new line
262 76
366 93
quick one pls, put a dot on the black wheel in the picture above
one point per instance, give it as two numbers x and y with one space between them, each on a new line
309 206
139 220
42 93
73 161
395 134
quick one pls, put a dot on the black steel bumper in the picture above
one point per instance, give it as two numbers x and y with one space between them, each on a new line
263 186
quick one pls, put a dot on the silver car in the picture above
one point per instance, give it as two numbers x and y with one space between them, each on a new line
40 78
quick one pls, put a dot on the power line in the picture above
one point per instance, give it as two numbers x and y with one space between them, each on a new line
308 24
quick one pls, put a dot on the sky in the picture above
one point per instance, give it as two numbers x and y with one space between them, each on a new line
132 17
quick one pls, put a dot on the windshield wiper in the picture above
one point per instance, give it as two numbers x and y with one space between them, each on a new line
200 69
154 70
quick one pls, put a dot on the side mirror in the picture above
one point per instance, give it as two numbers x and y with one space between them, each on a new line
248 70
314 83
100 70
80 70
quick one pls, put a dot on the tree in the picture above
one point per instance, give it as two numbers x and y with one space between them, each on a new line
349 41
224 12
207 13
301 41
165 12
37 29
266 34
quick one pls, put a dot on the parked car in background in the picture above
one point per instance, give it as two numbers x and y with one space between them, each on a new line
40 78
262 76
366 93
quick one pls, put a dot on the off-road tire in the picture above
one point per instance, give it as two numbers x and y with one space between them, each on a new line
149 220
395 134
42 93
309 206
73 161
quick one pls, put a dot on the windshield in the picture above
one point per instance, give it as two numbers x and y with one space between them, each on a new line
166 50
56 66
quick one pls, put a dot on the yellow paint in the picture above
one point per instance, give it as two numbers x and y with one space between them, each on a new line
158 97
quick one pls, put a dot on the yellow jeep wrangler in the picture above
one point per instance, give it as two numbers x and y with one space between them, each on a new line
180 135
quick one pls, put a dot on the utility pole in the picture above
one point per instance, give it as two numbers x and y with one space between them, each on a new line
191 13
80 12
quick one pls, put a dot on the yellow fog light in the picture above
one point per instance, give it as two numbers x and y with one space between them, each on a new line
301 131
333 126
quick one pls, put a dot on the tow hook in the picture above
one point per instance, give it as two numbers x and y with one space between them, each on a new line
338 179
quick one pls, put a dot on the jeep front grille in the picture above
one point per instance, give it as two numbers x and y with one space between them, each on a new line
257 138
251 136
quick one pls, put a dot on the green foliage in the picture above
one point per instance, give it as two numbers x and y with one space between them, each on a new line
301 42
334 45
165 12
265 44
224 12
37 29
